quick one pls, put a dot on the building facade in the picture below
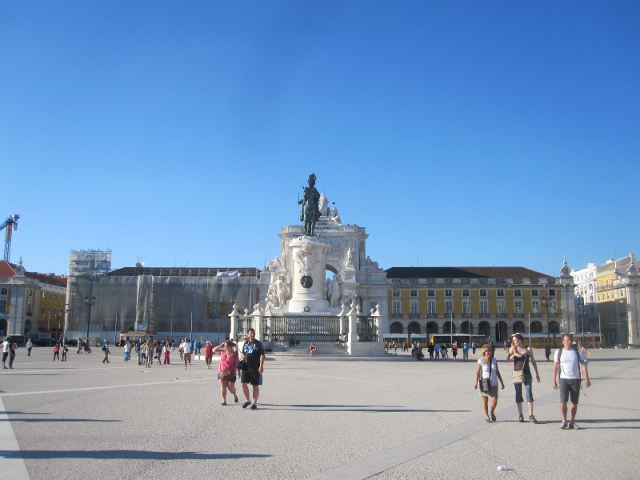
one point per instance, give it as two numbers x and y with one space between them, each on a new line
494 302
31 304
607 299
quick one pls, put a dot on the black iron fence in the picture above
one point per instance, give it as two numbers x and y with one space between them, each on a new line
301 329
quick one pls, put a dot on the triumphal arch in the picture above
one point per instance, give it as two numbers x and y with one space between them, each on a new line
323 288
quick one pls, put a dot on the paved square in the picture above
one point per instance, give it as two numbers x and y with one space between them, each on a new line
383 419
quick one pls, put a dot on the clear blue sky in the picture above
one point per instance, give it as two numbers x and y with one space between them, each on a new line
458 133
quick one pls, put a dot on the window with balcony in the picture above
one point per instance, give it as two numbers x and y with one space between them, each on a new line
500 292
448 307
414 307
396 307
535 306
484 307
534 292
518 306
431 307
501 308
466 310
396 292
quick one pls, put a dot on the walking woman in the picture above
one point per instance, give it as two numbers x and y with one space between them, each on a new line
208 354
227 369
487 376
166 354
522 357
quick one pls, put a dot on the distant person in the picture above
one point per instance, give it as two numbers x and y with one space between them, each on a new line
166 354
547 351
436 349
454 351
465 351
473 347
29 346
6 348
64 349
572 368
186 353
522 357
13 349
80 343
430 350
487 376
56 352
312 349
253 354
105 349
208 354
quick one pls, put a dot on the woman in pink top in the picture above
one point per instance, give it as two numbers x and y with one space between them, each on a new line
227 369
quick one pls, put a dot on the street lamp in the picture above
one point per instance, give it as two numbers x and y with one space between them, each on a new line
89 301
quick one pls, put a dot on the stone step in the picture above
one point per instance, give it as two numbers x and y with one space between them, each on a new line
324 350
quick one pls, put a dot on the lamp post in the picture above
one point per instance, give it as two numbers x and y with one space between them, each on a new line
546 315
90 301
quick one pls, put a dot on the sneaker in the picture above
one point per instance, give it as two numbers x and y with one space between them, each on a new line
254 406
246 404
521 419
533 419
493 417
564 424
572 425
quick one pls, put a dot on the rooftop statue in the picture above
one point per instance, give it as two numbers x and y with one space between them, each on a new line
309 211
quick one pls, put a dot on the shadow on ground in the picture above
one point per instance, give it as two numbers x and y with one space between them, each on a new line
124 455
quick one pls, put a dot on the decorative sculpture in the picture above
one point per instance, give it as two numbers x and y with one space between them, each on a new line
309 211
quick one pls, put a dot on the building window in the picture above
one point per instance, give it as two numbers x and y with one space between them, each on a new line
3 306
465 292
431 307
396 292
483 292
500 292
448 292
448 307
414 293
517 292
552 292
518 306
501 307
484 307
534 292
431 292
465 307
414 307
396 307
535 306
4 292
552 306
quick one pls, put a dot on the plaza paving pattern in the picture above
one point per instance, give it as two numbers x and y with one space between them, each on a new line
383 419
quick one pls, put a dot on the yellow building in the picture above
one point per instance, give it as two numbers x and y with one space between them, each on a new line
493 302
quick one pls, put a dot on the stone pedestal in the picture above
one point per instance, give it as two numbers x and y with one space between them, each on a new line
308 282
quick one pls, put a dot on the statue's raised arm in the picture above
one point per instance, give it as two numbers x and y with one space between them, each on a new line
309 211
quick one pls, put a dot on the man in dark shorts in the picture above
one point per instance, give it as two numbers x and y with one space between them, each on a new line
253 353
572 368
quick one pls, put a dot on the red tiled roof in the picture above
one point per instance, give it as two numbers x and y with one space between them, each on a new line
463 272
6 270
50 279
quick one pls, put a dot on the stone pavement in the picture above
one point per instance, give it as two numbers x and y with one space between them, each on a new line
317 418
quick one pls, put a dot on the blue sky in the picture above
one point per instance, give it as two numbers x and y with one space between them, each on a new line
458 133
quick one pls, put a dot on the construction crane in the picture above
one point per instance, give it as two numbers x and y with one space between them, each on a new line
10 224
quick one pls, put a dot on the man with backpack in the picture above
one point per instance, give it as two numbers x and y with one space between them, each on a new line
572 368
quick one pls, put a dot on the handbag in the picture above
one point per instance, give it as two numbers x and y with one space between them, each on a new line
484 383
517 376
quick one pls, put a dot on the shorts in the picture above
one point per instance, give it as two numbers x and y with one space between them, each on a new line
230 378
493 392
570 388
4 355
187 357
528 386
250 376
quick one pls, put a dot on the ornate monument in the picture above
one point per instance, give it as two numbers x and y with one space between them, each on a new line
298 302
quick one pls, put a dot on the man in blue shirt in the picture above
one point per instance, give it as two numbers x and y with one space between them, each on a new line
253 353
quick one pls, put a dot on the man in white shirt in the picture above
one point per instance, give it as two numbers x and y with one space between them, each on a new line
187 353
572 368
5 352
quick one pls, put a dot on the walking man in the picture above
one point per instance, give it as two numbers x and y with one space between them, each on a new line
5 352
572 368
105 349
253 353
